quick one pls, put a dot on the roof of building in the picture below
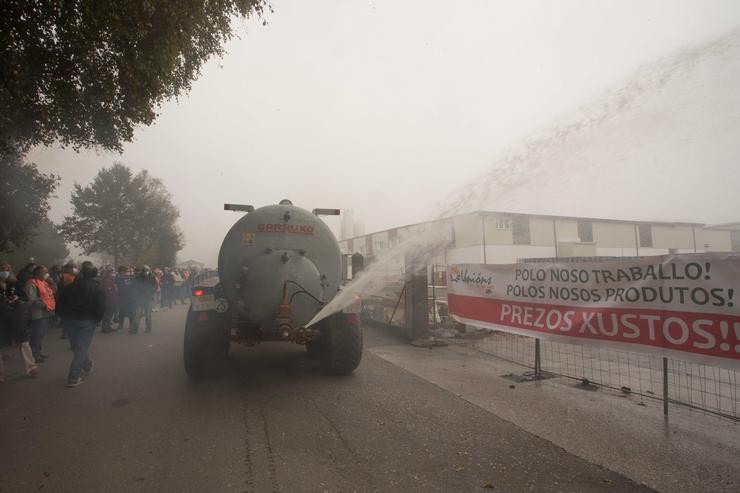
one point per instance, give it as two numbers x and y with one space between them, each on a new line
547 216
191 262
725 227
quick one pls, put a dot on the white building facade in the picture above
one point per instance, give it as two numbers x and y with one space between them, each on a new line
500 237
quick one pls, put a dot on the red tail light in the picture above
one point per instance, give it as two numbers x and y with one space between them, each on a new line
203 317
198 292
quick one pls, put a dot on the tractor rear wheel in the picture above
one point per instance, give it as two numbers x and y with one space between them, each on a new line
341 345
195 347
205 342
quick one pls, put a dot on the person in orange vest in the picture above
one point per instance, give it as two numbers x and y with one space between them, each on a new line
41 298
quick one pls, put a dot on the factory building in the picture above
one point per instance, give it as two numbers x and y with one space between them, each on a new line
502 237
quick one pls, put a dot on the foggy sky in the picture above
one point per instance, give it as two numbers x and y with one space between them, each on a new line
388 107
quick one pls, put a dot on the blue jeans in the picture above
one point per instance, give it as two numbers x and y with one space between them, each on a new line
39 327
80 337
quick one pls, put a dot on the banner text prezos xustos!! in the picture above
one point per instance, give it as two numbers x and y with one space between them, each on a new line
678 305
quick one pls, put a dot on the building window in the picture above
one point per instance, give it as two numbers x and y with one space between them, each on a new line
646 235
586 231
503 223
520 230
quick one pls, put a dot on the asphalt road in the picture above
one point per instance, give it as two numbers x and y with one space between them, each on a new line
271 422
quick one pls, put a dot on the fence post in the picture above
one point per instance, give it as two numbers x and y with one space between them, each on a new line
537 362
434 295
665 386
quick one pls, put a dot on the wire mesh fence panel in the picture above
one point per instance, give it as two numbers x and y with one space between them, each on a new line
707 388
704 387
507 346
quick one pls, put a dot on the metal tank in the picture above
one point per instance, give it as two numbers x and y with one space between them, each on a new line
278 266
279 247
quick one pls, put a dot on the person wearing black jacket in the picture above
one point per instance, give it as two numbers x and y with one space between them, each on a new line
168 288
24 275
82 303
145 285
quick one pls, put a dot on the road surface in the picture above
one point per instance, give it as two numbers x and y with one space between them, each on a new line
271 422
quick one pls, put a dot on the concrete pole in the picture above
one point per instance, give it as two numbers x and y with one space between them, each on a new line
637 243
665 387
483 228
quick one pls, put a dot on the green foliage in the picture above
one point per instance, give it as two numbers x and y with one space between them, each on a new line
86 72
46 246
24 200
128 216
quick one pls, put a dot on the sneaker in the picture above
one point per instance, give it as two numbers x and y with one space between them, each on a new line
74 383
33 372
88 368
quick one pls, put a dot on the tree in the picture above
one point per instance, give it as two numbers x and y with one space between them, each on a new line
24 201
46 246
162 251
87 72
125 215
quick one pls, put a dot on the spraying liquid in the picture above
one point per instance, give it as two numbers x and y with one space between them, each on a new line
674 114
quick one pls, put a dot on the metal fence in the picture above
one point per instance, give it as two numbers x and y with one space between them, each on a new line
706 388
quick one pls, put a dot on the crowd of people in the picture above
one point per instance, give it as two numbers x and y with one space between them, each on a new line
78 301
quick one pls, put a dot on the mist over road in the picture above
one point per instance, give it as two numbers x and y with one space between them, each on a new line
271 422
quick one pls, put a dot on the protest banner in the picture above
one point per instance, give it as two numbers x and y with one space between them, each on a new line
684 306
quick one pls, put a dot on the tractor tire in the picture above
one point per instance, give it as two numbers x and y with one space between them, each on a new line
341 346
195 347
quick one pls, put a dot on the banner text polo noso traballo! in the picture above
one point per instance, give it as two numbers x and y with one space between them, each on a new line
683 306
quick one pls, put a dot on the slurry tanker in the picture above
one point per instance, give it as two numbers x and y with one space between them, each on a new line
277 267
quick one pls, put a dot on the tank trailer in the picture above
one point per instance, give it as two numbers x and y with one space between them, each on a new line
277 267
